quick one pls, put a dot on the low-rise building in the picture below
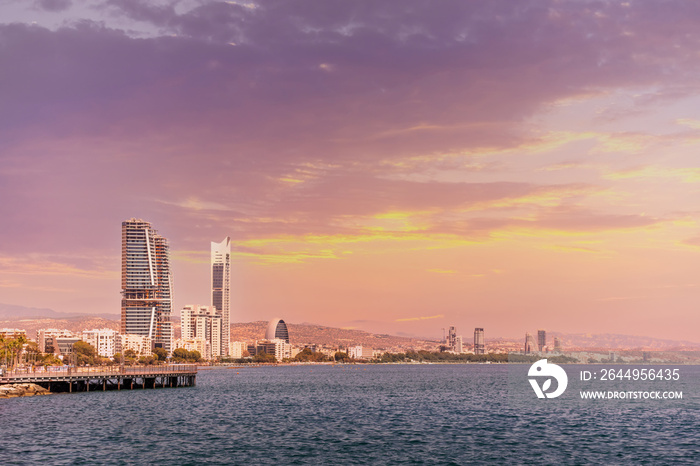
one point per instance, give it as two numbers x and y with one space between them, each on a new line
360 352
64 347
236 349
201 345
103 340
277 347
139 344
12 333
46 339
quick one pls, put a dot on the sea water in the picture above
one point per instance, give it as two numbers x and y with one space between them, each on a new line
347 414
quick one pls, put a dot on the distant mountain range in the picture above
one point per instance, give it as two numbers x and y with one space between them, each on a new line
16 312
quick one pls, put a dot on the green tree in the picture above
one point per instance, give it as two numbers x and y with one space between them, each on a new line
3 349
85 353
50 359
129 357
150 360
306 355
160 354
12 349
181 354
32 353
341 356
264 357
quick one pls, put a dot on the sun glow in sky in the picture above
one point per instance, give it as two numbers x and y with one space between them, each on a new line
391 166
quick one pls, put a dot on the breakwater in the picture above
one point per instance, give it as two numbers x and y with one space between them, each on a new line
21 389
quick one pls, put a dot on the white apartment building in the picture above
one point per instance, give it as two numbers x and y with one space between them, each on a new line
104 340
282 349
236 349
141 345
195 344
458 345
205 322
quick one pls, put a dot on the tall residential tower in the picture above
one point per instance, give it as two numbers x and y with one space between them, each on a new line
479 347
541 340
146 284
221 289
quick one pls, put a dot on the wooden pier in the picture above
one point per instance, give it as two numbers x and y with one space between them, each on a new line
84 379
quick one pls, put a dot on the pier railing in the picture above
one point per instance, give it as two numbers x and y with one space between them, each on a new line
52 372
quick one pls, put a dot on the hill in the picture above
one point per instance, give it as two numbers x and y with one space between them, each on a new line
302 334
74 324
14 312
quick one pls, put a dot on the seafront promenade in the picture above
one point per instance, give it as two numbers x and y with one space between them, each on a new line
71 379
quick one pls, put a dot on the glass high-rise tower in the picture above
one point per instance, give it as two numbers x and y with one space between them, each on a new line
541 340
221 288
479 347
147 284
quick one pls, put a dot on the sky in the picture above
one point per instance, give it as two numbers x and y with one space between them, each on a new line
390 166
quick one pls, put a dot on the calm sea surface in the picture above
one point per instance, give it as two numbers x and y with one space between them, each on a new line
354 414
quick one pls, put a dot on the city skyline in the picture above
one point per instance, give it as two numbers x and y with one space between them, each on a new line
392 167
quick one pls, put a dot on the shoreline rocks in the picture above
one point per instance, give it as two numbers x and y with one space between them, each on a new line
15 390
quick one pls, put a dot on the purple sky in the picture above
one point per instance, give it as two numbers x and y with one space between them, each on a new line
392 166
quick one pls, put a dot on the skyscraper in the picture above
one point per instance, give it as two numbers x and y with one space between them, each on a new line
451 336
479 347
458 345
529 343
557 345
220 289
541 340
146 284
